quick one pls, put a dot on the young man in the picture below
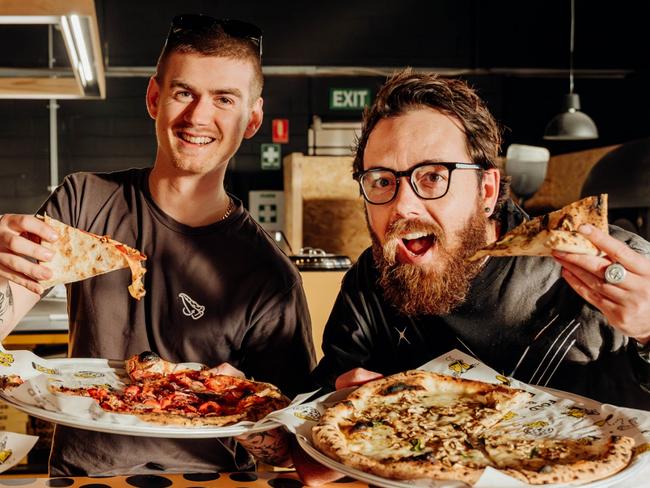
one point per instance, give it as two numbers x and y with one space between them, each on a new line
433 197
218 289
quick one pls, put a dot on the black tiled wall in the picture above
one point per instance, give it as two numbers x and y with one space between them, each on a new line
104 135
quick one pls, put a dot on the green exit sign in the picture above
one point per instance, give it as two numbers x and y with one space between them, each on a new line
349 98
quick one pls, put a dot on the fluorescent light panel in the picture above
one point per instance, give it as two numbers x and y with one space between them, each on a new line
72 50
75 41
82 48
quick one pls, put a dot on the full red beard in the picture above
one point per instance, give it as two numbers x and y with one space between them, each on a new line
419 290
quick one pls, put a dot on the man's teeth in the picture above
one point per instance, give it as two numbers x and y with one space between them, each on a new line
414 235
196 139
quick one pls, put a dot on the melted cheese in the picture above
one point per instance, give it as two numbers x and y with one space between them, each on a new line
535 454
414 425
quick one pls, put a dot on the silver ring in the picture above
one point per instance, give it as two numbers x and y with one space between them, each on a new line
615 273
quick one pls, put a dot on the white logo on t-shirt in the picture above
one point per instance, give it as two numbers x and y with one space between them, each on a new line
190 307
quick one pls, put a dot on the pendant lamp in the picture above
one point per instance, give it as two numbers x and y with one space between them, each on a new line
571 124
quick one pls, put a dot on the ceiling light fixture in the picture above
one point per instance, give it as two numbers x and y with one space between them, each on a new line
571 124
80 34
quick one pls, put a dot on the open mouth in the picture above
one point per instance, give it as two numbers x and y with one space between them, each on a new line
196 140
418 243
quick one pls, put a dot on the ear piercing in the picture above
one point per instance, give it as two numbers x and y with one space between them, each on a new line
487 209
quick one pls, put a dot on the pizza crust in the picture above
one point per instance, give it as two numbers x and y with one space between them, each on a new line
613 455
166 418
148 365
556 231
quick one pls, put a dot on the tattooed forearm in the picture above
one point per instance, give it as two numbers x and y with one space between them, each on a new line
270 447
6 303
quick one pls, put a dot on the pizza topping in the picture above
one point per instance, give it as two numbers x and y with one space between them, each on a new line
397 387
165 392
438 427
10 381
417 445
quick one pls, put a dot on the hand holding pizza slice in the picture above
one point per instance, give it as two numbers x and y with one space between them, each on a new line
556 231
577 236
79 255
626 304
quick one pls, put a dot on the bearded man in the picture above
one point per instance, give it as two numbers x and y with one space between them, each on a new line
425 166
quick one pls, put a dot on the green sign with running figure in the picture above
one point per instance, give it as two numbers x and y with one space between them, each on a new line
349 98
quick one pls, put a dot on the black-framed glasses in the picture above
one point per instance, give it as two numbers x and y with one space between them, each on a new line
429 181
196 24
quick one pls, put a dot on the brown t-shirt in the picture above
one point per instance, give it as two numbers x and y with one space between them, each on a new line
223 292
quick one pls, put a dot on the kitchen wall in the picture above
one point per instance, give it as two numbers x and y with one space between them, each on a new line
501 44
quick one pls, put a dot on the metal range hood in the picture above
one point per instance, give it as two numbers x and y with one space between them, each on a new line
75 21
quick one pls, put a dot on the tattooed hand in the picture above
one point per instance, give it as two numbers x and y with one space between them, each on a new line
270 447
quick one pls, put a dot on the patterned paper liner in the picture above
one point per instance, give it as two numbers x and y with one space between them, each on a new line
35 398
550 413
13 448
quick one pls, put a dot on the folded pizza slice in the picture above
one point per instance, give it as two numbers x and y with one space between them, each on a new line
556 231
79 255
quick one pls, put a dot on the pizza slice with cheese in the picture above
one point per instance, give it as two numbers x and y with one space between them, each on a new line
79 255
556 231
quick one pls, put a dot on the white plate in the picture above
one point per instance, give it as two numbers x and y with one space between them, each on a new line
138 427
117 423
634 468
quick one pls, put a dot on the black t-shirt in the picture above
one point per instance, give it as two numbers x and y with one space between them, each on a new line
219 293
520 318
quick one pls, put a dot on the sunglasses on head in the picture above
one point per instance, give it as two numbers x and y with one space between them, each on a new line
196 23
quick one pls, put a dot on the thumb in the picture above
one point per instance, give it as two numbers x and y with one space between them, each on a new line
356 376
228 370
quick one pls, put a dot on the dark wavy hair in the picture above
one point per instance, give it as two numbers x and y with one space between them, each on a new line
408 90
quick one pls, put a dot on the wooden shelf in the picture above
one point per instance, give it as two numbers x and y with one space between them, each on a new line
35 338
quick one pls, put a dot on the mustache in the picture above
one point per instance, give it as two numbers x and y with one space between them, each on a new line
416 290
400 228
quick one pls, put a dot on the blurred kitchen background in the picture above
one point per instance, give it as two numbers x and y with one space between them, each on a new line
515 53
323 62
